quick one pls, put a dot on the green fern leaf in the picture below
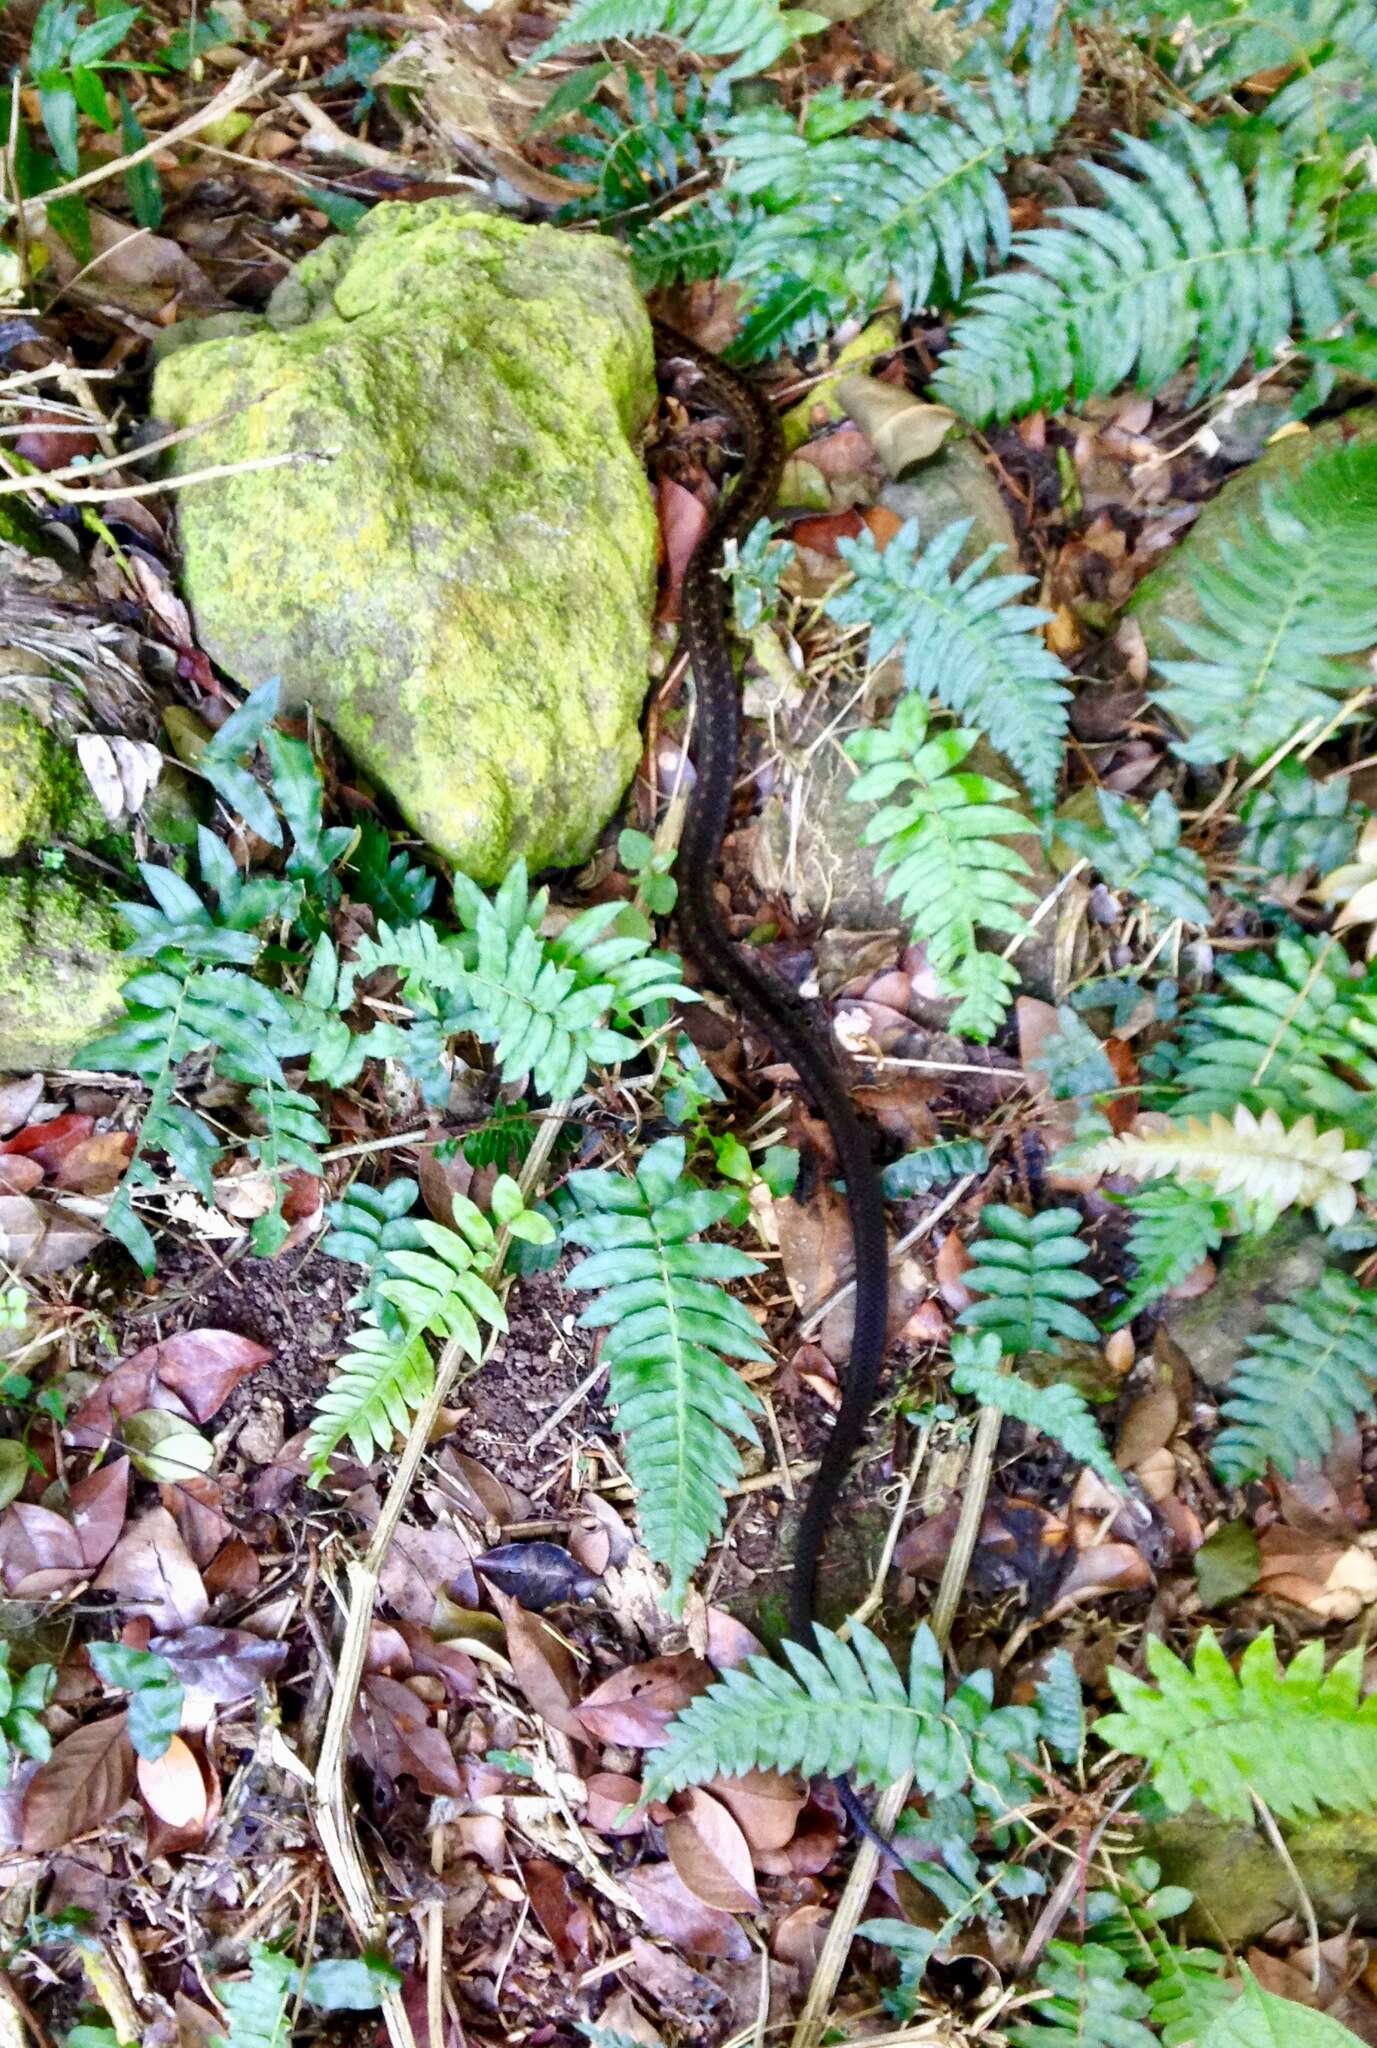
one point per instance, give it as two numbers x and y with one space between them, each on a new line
1286 600
1175 1227
932 1167
964 641
940 845
1059 1411
367 1223
1188 1992
671 1328
755 32
1307 1378
684 248
1142 854
259 2006
1074 1059
1085 2000
1272 1166
628 164
1180 263
390 883
1061 1713
1329 45
845 1708
1260 2019
1297 824
378 1385
1299 1739
1026 1270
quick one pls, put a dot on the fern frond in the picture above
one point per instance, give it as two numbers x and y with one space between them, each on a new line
1188 1992
1085 1999
1286 600
1142 854
1025 1268
397 887
1299 1739
1296 1027
845 1708
1181 262
965 641
1175 1228
932 1167
367 1223
670 1329
628 163
940 845
1308 1376
1256 1157
1059 1411
1329 45
436 1289
754 32
1061 1712
1296 823
259 2006
684 248
378 1385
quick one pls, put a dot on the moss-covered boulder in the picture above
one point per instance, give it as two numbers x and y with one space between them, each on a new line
457 573
60 968
43 792
1241 1885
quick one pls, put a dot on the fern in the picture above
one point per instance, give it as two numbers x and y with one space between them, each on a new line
430 1289
1272 1166
845 1708
932 1167
1181 263
964 641
291 1138
685 247
755 32
939 846
630 164
396 887
1298 1739
1074 1059
1287 599
1143 855
1059 1411
670 1329
831 220
367 1223
1026 1268
1175 1226
1308 1376
504 1140
1085 1999
1283 1031
259 2006
1331 45
1296 824
1060 1708
754 568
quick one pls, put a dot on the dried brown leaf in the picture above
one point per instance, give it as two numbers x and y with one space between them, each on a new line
636 1705
711 1854
151 1570
84 1783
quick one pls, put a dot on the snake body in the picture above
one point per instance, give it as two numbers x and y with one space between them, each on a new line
775 1010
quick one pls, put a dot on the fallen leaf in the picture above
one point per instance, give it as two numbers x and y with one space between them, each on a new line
809 1849
445 1661
197 1507
800 1937
598 1537
608 1795
150 1568
683 522
203 1367
765 1804
483 1836
1101 1569
172 1787
96 1165
730 1643
562 1915
14 1469
67 1239
543 1667
539 1575
98 1506
902 429
234 1569
710 1853
20 1095
423 1565
221 1664
670 1910
49 1142
19 1176
636 1705
84 1783
1148 1425
40 1552
1331 1580
396 1738
22 1230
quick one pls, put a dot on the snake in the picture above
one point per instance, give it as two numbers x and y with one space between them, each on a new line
773 1008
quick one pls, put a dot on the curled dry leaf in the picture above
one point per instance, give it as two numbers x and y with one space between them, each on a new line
96 1166
40 1552
809 1849
172 1786
191 1374
540 1575
1102 1569
765 1804
671 1910
710 1853
560 1912
598 1537
50 1142
543 1667
19 1176
683 522
800 1936
151 1570
423 1565
636 1705
84 1783
1331 1580
730 1642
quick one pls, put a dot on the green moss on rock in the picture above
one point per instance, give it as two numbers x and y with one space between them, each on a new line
458 572
60 967
43 793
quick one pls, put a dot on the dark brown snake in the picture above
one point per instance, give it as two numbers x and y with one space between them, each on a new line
774 1009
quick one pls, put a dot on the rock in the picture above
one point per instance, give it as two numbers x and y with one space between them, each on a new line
914 35
1256 1273
1240 1884
1168 593
60 967
43 793
957 485
463 588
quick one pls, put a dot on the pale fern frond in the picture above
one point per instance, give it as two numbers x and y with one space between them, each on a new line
1260 1158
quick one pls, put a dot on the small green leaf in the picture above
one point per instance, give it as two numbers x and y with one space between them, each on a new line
350 1983
1228 1564
167 1448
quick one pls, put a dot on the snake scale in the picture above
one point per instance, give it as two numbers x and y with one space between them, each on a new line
774 1009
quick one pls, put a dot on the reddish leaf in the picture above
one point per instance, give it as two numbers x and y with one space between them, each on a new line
683 522
559 1912
203 1367
39 1551
18 1176
48 1143
196 1505
172 1787
396 1739
130 1389
420 1565
636 1705
670 1909
823 532
84 1783
800 1936
809 1849
609 1794
95 1165
765 1804
543 1667
710 1853
151 1570
444 1661
99 1503
234 1569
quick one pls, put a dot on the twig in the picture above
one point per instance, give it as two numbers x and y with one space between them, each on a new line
813 2019
1278 1842
873 1598
567 1406
211 474
815 1318
330 1805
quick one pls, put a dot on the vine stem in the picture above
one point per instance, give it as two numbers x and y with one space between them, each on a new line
814 2018
331 1809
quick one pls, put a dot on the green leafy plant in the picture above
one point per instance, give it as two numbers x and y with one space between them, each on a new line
1026 1271
1175 1226
66 57
290 1139
1142 854
942 849
1181 263
754 567
1329 47
1074 1059
504 1140
22 1700
398 888
1295 1737
1297 823
753 32
965 641
932 1167
655 885
1269 1164
1279 610
260 2006
156 1694
1059 1411
629 162
1085 1998
1307 1376
671 1328
1061 1710
845 1708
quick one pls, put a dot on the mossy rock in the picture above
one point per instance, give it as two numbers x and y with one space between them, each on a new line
61 967
43 793
1241 1885
457 572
